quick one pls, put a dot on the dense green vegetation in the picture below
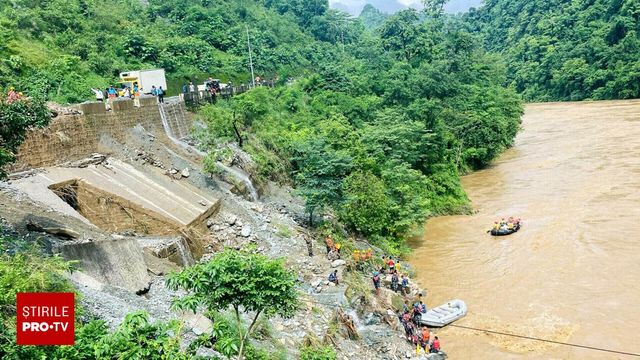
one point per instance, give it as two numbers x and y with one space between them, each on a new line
379 134
63 48
565 49
15 118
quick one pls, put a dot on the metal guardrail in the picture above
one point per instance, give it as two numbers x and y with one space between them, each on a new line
199 98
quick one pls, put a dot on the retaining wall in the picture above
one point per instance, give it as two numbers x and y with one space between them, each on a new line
73 137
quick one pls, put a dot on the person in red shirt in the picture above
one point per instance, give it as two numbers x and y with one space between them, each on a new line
391 264
435 346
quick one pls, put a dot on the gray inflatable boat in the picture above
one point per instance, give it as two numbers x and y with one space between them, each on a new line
444 314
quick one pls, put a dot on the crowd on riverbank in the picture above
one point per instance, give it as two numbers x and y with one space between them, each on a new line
414 307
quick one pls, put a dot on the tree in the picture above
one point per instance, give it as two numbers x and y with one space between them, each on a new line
248 283
366 205
399 33
15 119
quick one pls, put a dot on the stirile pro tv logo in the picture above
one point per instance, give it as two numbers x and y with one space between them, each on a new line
45 319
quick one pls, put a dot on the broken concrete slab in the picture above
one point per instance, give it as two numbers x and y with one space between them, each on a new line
114 262
49 226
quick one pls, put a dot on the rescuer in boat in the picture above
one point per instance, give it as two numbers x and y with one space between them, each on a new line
505 227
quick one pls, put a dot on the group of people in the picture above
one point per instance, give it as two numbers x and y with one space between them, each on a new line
13 95
415 333
126 92
509 224
411 315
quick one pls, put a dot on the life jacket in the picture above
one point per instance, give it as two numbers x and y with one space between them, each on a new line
425 334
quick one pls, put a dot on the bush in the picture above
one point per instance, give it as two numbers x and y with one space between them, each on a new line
15 119
318 352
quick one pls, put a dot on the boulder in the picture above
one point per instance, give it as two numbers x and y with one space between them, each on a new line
185 173
246 231
198 323
338 263
231 220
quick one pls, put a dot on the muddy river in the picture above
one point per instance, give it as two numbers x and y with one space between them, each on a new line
572 273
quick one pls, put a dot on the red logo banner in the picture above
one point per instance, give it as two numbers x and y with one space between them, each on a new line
45 319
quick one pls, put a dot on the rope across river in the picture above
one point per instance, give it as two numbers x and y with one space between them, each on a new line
547 340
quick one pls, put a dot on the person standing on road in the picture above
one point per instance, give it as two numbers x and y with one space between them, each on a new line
160 95
99 94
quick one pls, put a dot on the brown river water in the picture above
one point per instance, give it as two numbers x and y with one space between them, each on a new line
572 273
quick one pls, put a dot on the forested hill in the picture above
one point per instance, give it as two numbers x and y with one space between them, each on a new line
565 49
376 128
63 48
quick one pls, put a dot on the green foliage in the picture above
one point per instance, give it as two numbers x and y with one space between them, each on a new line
64 48
28 271
371 17
15 119
564 50
136 338
366 205
318 352
240 280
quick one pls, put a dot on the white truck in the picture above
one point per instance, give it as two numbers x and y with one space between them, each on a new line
145 79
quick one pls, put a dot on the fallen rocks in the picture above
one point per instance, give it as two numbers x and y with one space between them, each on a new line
198 323
185 173
93 159
158 266
338 263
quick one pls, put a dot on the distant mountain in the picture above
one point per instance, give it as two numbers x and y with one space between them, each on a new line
372 17
456 6
356 7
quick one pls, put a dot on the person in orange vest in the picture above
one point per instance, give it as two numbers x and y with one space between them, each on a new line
426 337
356 255
369 254
329 243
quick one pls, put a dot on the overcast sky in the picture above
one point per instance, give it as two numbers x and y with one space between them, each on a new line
355 6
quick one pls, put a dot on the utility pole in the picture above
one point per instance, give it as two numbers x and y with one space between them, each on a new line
253 78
